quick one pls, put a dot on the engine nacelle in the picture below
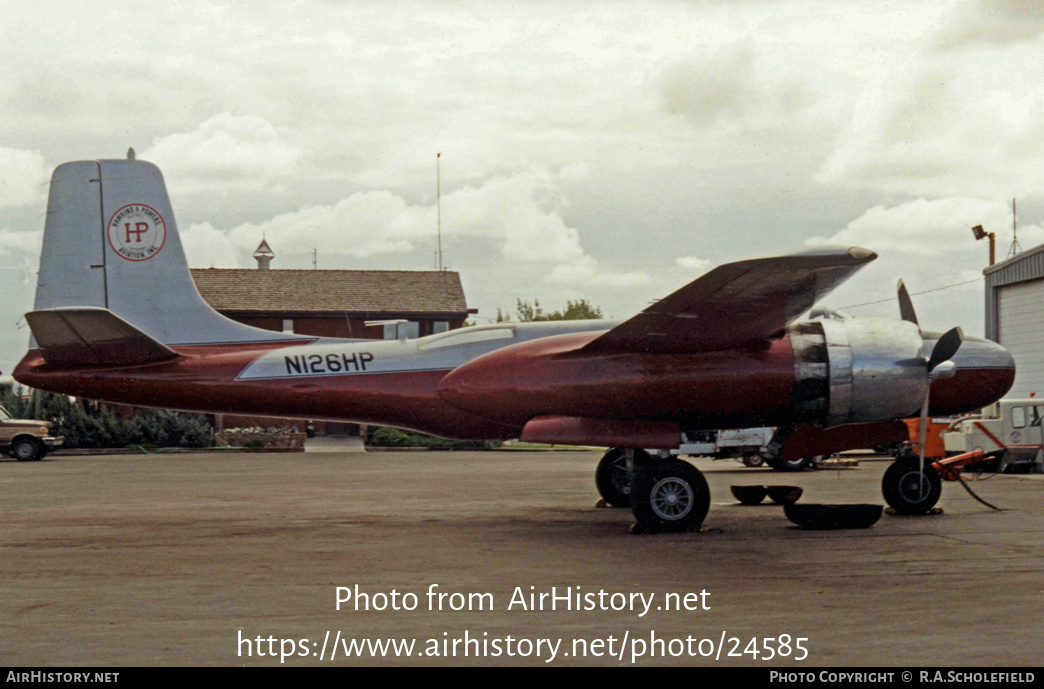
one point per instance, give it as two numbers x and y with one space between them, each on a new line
858 370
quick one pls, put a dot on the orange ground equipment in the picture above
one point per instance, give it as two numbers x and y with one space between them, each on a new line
933 442
950 468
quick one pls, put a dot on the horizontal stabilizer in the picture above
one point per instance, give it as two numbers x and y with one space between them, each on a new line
92 336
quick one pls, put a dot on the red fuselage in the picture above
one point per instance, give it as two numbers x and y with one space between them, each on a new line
494 395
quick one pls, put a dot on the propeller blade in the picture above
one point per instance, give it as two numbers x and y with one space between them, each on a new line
923 437
946 347
906 309
939 368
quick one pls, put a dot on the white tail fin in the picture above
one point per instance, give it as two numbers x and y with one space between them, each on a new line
110 241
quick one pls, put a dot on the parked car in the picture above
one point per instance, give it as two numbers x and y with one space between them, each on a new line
26 439
745 444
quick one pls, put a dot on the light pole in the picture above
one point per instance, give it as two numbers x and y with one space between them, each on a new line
983 234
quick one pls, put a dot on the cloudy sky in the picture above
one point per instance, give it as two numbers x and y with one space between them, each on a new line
610 151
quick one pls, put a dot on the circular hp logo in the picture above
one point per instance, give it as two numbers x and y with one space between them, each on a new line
137 232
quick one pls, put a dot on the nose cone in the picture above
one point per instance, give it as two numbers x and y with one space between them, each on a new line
985 372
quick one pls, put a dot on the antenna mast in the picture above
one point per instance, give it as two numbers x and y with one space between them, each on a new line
438 206
1015 248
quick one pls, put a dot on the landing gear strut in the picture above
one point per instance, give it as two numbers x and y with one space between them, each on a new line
773 453
906 490
665 494
613 477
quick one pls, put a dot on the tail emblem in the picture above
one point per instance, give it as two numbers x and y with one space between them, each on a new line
137 232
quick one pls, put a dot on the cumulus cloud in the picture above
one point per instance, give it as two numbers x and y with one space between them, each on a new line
586 272
208 247
518 215
521 210
998 22
927 227
929 244
963 115
364 224
717 86
229 150
25 242
23 175
693 263
732 84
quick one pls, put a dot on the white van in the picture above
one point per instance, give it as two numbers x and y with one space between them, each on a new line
1012 427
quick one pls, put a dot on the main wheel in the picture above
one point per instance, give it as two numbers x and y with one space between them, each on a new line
799 464
613 480
26 450
907 491
753 460
669 495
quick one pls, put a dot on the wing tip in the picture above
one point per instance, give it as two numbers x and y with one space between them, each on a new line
862 255
831 253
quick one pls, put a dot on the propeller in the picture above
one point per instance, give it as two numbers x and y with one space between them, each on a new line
939 366
906 309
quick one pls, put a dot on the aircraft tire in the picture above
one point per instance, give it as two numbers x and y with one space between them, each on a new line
26 450
612 479
902 490
799 464
669 496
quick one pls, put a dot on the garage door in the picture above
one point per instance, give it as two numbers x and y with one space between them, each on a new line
1020 317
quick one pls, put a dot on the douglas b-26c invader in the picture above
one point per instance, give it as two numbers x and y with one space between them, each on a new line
117 317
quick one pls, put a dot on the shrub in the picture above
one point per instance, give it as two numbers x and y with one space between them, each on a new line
384 436
102 428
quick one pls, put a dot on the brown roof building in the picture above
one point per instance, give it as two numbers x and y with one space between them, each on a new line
336 303
424 292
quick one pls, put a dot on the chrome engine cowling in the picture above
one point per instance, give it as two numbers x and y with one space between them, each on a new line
858 370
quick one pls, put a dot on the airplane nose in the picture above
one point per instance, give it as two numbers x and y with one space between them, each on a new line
985 372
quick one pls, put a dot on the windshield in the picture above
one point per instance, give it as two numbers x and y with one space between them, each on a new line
4 415
466 336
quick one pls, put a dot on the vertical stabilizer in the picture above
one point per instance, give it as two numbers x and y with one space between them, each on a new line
110 241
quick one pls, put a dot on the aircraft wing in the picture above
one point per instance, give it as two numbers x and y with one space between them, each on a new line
93 336
735 305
